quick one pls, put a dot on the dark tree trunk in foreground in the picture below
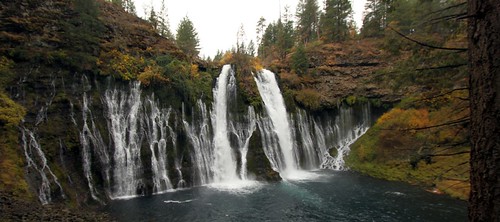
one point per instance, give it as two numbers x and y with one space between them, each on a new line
484 64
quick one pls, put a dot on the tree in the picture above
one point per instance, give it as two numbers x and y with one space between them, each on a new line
129 6
251 48
261 24
484 68
335 21
375 20
307 19
153 18
299 60
187 38
240 40
163 24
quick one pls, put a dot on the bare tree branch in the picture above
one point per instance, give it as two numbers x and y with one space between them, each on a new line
425 44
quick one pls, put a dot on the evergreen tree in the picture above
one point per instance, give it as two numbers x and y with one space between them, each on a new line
240 40
261 24
187 38
163 24
268 40
251 48
335 21
299 60
376 17
129 6
307 19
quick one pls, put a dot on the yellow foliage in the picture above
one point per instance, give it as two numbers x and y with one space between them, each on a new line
257 64
152 75
11 113
124 66
226 58
194 71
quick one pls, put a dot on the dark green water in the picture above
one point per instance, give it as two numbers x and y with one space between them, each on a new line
331 196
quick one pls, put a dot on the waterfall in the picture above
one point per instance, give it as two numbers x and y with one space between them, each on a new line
282 156
348 131
199 133
36 160
243 132
123 114
91 138
217 137
157 130
224 165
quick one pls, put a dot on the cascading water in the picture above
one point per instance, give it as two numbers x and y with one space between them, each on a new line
224 165
243 132
91 138
217 139
300 141
36 160
282 156
199 133
123 113
157 130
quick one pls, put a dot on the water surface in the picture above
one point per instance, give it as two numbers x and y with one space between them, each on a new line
329 196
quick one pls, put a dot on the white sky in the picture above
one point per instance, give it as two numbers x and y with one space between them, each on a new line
218 21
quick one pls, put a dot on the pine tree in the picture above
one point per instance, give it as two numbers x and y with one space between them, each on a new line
251 48
187 38
261 24
153 18
376 17
335 21
299 60
307 18
163 24
129 6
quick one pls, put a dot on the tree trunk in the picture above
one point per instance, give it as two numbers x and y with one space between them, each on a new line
484 67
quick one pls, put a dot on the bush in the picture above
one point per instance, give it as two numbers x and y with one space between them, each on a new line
309 98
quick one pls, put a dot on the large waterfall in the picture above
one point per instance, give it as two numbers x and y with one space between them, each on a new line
285 158
133 143
224 165
299 142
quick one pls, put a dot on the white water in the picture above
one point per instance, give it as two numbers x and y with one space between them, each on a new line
284 159
36 160
157 134
123 113
200 138
217 139
91 138
224 165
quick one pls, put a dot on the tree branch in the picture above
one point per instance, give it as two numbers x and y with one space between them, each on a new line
441 67
427 45
448 8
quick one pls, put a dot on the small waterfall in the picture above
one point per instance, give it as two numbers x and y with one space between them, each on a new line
91 138
283 157
243 132
348 131
36 160
123 114
224 167
200 136
157 130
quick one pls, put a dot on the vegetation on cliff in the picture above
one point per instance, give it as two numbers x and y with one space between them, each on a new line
425 139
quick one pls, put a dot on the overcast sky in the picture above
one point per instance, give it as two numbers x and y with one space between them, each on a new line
217 21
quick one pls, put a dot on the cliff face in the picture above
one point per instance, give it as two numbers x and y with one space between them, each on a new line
53 53
336 73
70 96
